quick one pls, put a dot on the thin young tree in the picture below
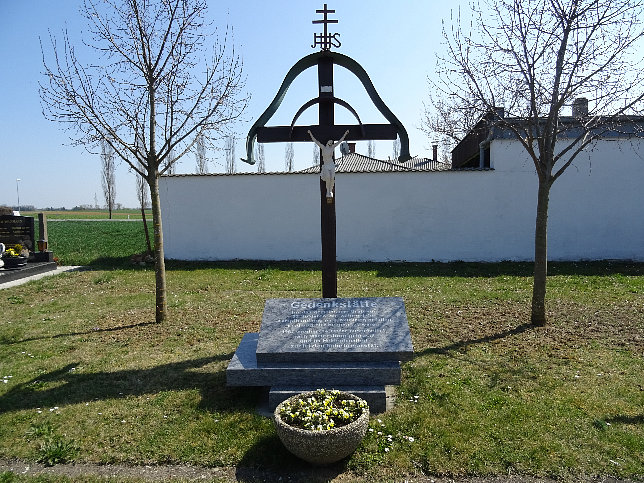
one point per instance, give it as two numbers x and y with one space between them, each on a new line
200 155
143 195
289 157
371 149
150 71
108 176
231 159
170 164
395 152
261 158
534 58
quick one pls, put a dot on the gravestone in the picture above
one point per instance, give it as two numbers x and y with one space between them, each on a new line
17 230
350 344
20 230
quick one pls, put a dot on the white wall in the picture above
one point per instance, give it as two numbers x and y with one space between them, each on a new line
597 206
596 212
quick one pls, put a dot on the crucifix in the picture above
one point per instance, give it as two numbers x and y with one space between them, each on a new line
327 171
326 133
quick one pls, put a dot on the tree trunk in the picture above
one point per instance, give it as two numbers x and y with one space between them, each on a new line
540 255
159 261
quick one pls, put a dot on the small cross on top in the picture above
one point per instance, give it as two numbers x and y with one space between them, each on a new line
325 40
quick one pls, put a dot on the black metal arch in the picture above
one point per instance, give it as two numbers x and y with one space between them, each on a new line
349 64
335 100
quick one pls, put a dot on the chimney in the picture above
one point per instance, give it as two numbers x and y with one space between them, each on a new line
580 107
352 147
435 152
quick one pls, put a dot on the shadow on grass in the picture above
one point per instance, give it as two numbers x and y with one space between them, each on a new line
121 263
485 269
464 344
93 331
269 453
71 387
397 269
626 419
124 263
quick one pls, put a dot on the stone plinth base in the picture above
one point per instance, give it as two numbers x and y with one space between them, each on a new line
354 345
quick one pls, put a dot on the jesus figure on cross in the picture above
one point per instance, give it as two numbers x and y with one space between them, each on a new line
327 173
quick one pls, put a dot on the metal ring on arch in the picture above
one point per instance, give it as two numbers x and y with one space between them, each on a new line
349 64
335 100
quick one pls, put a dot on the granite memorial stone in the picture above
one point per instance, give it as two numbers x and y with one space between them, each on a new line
327 330
352 344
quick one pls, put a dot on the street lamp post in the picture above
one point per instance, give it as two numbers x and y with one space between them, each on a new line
18 193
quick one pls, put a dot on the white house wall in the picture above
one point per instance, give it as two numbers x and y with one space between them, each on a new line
596 212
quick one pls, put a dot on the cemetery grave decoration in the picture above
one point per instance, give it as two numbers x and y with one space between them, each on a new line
352 344
23 257
322 427
20 230
15 256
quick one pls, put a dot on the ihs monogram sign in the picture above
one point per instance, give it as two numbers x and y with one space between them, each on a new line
325 40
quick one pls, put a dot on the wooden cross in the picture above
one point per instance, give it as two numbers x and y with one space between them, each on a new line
326 130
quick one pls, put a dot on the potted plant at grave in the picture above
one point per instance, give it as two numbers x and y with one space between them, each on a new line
15 256
322 426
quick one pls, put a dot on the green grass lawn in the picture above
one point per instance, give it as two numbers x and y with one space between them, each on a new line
107 244
88 376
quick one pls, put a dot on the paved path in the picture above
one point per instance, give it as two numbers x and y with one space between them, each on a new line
333 473
15 283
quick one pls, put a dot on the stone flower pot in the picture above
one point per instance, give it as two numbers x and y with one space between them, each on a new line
14 262
326 446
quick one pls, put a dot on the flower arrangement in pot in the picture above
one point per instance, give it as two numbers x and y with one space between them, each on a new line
15 256
322 426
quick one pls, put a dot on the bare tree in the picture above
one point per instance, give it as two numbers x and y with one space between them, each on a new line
200 153
261 158
231 159
289 157
446 122
108 178
534 57
316 155
143 195
371 148
139 81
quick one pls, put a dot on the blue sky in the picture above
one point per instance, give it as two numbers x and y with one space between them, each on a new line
395 42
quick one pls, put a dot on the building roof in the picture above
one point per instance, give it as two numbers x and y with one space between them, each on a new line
466 154
350 163
358 163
